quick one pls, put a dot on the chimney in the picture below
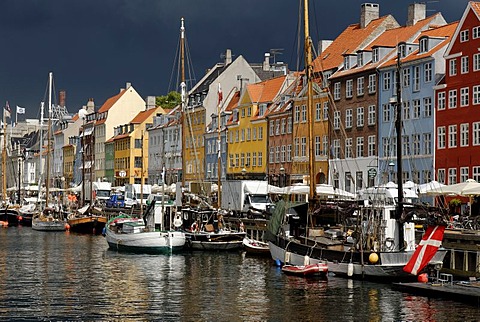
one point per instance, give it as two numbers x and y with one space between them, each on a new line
62 98
150 102
266 62
228 57
323 44
416 12
368 12
127 85
90 106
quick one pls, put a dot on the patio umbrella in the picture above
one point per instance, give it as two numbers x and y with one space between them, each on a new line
430 188
466 188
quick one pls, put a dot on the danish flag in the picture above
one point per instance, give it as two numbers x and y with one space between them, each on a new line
431 241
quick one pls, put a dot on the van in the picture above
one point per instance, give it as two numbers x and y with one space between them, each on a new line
116 201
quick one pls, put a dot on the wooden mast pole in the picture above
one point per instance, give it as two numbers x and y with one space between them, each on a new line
311 111
398 129
219 161
141 177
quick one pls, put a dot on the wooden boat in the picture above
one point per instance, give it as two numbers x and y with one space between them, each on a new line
125 233
9 215
221 240
89 220
255 247
320 269
46 221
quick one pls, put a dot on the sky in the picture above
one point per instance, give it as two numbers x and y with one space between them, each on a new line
94 47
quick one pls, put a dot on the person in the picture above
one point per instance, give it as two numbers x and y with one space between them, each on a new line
241 226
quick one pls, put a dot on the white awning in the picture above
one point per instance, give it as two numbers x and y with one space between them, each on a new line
88 131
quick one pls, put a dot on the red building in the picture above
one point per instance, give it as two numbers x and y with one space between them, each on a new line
457 117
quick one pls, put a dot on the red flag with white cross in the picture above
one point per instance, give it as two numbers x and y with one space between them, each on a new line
431 241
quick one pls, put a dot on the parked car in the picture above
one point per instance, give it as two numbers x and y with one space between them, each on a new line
116 201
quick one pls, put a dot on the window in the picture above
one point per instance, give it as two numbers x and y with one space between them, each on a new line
375 55
452 98
476 95
464 134
277 154
283 154
441 137
464 97
318 112
463 174
406 110
360 59
416 144
325 144
336 120
359 147
372 114
348 118
416 109
476 62
289 125
348 148
423 45
325 110
464 64
303 151
405 145
464 35
289 153
254 134
402 48
346 62
284 121
387 81
360 86
452 176
475 34
387 114
260 133
254 159
441 100
272 128
360 117
336 149
476 133
427 72
406 77
416 78
371 145
372 83
349 88
336 91
296 114
427 143
272 151
476 173
318 146
452 67
441 176
260 159
304 114
452 136
277 127
385 145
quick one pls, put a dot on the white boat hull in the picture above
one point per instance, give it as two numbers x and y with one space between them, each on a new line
147 241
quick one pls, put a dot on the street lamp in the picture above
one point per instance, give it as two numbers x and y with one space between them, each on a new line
244 172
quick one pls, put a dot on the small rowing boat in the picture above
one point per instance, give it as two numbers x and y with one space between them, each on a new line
306 270
255 247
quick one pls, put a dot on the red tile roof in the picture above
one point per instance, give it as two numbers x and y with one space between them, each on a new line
143 115
111 101
266 91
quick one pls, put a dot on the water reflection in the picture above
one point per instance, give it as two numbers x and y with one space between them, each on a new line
64 276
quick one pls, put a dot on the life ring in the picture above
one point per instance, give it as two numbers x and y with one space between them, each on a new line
178 222
194 226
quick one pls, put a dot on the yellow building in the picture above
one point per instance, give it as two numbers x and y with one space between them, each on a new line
247 130
194 152
300 144
131 148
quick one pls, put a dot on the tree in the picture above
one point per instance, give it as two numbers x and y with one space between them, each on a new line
170 100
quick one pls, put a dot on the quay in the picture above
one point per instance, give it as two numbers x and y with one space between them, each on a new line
463 256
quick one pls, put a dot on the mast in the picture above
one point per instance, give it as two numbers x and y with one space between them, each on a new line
219 161
309 80
47 165
40 176
398 129
183 92
141 178
4 158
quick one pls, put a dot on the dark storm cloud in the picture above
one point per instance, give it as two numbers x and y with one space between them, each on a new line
95 46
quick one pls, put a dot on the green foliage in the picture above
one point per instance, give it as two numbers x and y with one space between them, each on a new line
455 202
170 100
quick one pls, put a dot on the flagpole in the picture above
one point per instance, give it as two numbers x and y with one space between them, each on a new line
4 158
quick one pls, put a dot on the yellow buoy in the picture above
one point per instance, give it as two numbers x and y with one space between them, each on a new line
373 258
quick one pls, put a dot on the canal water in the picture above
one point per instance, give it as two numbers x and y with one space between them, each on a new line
65 276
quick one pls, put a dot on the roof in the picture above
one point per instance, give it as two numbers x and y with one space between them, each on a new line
475 7
265 91
348 41
143 116
111 101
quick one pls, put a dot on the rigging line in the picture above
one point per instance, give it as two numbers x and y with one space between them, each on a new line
175 66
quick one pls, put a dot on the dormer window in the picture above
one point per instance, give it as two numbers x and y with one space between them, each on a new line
360 59
261 109
375 55
423 48
402 49
346 62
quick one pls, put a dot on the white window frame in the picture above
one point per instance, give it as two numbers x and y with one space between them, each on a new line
372 114
464 96
452 98
441 137
452 136
372 83
348 118
452 67
349 88
441 101
464 61
360 86
360 116
464 134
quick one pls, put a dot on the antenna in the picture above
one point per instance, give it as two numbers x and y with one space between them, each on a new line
276 51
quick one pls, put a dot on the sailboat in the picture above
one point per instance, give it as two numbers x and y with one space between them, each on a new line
131 234
358 255
48 218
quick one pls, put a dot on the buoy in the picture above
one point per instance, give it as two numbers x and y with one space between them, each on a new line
278 263
67 226
423 278
373 258
287 258
20 218
350 270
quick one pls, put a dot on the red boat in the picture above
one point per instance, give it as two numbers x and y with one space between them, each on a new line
306 270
